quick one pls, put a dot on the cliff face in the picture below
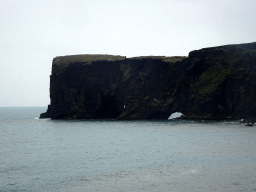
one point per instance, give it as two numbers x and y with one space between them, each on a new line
220 83
214 83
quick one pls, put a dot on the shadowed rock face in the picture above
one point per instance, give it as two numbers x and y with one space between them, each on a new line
220 83
212 83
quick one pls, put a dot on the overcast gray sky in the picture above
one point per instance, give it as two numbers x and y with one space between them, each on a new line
33 32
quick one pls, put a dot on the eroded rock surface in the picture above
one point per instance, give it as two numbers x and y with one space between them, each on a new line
212 83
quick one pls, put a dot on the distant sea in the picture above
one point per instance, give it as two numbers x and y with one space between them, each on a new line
100 155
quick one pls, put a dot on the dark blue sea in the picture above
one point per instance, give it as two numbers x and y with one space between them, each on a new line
99 155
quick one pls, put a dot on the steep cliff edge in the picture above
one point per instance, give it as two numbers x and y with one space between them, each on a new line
220 83
213 83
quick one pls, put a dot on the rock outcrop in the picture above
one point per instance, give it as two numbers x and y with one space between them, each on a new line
211 83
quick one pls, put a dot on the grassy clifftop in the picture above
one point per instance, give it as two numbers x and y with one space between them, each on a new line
65 60
162 58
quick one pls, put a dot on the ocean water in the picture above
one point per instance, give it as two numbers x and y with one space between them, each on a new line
78 155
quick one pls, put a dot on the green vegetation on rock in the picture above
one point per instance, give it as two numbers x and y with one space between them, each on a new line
211 79
87 59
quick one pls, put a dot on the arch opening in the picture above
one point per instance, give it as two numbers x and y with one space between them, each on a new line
175 115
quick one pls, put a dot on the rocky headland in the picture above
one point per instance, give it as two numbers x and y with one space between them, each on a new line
211 83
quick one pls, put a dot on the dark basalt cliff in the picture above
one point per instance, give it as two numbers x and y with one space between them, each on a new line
212 83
